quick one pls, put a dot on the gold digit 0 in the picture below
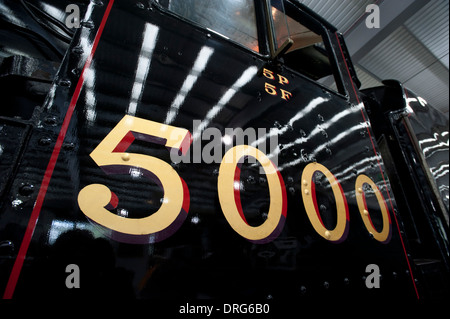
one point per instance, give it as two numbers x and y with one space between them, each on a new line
228 186
384 235
339 233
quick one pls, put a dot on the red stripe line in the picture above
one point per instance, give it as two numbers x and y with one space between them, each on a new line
17 267
381 170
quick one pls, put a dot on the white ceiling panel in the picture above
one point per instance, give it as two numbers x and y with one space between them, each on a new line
435 80
398 56
412 46
431 27
342 14
444 60
367 80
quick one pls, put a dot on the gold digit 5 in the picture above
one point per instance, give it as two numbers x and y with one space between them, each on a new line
94 200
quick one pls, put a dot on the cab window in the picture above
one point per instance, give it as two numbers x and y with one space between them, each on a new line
234 19
309 53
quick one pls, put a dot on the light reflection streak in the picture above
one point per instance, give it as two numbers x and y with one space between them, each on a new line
318 129
364 161
440 171
59 227
311 106
9 14
421 100
84 40
199 65
54 11
437 145
344 177
90 100
150 36
323 146
246 76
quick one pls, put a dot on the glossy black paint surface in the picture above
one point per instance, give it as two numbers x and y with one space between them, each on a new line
36 28
413 139
205 258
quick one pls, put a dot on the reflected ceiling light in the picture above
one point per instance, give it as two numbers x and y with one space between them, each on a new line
150 36
246 76
199 65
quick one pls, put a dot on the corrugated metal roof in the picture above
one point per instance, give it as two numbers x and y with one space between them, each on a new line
430 26
444 60
432 85
342 14
367 80
416 52
398 56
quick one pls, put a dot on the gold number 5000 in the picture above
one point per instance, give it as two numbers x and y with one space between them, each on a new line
110 155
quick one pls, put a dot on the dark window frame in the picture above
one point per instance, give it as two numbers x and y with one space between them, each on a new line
260 27
295 12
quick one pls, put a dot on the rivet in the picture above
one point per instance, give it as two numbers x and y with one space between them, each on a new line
51 120
303 290
306 192
78 50
251 180
327 234
68 146
89 24
305 182
125 157
45 141
366 213
360 190
75 72
26 190
64 82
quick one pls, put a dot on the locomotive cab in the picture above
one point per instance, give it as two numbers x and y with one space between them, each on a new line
221 146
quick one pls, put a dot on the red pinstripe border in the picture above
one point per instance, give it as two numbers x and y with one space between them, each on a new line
381 170
17 267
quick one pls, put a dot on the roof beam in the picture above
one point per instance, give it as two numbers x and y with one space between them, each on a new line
360 39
